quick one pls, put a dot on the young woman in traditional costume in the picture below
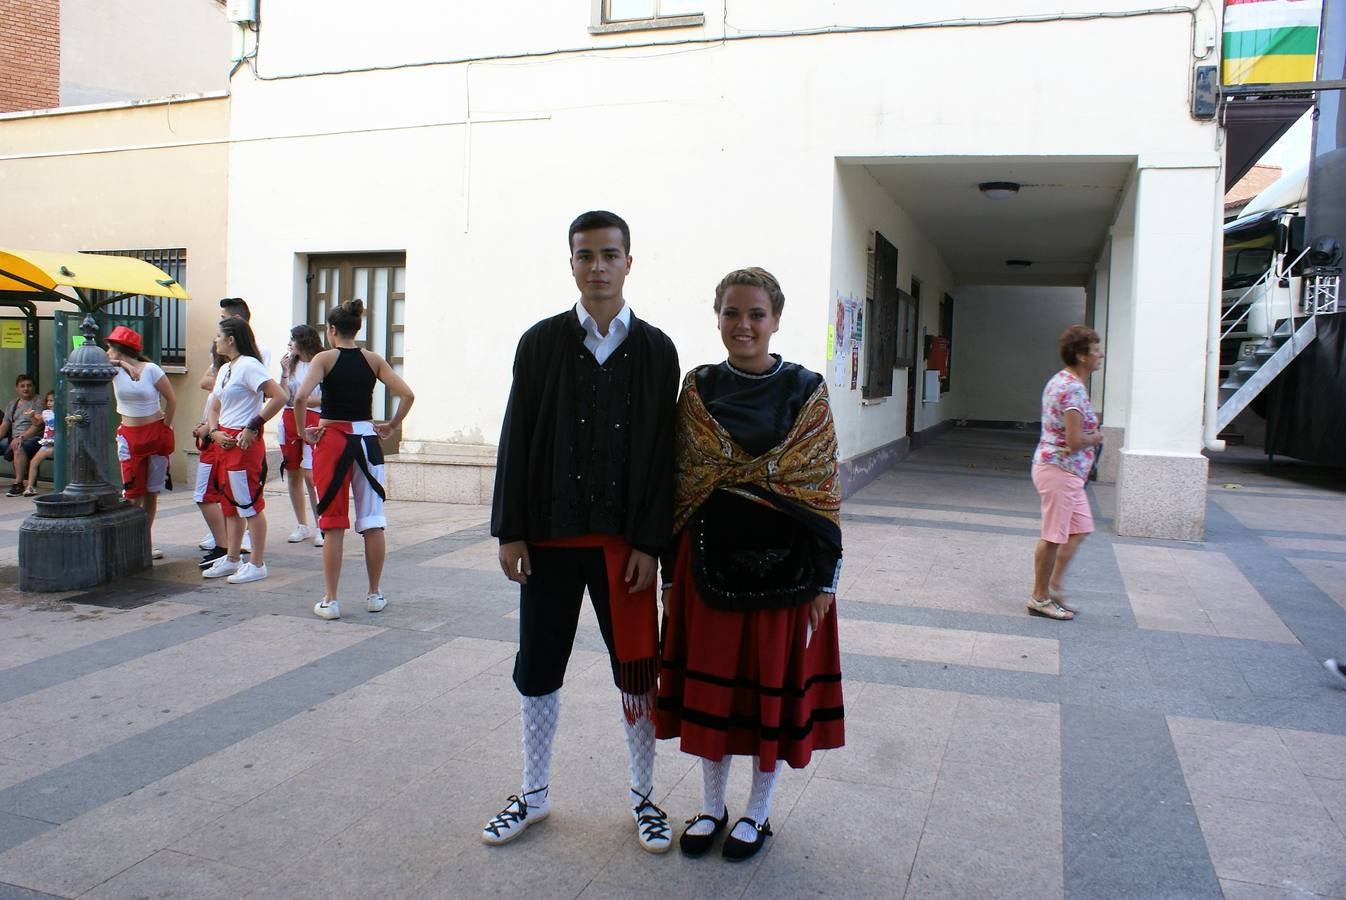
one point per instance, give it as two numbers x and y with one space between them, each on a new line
235 417
145 435
296 456
347 456
751 664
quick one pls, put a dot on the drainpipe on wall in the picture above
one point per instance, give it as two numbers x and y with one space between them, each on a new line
1212 408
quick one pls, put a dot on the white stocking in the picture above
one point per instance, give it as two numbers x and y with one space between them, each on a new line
539 716
759 800
714 780
640 750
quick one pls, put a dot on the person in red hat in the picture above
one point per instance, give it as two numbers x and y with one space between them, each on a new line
145 435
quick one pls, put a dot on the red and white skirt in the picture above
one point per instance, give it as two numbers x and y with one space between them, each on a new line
143 451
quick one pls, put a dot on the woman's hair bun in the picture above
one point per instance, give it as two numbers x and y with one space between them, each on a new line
355 307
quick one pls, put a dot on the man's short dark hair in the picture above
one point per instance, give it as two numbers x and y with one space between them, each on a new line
25 377
595 219
236 306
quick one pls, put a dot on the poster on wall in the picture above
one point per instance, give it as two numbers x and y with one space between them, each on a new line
836 346
857 338
11 335
845 334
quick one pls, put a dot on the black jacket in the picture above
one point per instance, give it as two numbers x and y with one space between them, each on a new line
536 471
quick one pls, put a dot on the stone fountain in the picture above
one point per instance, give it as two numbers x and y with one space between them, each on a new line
85 535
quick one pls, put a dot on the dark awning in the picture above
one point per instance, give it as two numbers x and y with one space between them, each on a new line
1252 125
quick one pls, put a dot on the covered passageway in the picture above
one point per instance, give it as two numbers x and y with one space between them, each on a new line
988 259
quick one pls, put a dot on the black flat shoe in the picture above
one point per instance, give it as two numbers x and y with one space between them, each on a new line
735 849
697 844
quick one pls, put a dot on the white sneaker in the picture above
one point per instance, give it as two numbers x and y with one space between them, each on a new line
517 815
207 543
220 568
156 553
300 533
375 602
319 538
247 542
324 609
248 572
1337 670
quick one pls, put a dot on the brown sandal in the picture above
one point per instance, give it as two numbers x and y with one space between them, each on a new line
1050 609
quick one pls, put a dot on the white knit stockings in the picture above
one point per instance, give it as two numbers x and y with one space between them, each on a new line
539 716
640 751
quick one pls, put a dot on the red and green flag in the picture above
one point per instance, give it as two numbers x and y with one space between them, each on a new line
1270 41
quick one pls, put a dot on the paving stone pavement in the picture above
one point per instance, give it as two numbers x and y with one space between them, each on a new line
169 737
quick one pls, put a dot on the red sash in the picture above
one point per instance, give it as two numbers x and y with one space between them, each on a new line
635 623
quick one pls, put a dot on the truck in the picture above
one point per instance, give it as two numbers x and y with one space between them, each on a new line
1264 260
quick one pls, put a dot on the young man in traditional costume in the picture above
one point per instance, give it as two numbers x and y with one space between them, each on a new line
584 498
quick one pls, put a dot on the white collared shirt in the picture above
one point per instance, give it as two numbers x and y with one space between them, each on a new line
603 346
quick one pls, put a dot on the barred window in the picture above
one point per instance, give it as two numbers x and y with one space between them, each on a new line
172 312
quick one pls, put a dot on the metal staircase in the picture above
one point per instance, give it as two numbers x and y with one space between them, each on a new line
1251 375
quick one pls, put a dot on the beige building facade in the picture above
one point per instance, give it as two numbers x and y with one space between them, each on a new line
148 177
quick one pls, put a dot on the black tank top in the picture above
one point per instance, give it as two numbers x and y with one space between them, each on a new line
348 387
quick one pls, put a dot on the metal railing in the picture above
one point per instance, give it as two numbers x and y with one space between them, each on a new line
1271 273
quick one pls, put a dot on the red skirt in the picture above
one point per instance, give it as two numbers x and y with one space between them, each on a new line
743 683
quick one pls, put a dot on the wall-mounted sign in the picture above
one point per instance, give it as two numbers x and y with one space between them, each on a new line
12 335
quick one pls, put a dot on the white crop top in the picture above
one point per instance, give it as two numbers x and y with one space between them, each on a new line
137 398
238 385
291 386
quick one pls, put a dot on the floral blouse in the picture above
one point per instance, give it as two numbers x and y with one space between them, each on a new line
1063 392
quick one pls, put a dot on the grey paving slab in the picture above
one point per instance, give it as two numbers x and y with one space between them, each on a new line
84 784
369 772
1129 826
14 892
167 874
52 670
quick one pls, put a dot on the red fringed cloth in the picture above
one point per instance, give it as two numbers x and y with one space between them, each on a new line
635 623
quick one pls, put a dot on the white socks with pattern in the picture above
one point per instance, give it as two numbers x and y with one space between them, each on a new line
640 750
714 781
759 801
539 716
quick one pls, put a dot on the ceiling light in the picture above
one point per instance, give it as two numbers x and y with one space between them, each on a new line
999 188
1018 263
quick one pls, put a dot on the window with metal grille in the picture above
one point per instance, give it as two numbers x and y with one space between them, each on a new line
172 313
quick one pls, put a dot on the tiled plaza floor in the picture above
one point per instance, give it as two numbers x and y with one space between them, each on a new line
171 737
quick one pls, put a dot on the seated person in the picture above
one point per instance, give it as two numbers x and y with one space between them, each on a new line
21 430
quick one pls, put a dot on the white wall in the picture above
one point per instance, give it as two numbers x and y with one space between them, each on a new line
719 155
1005 349
862 207
113 50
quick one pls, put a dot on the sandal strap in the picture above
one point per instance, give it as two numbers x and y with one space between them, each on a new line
654 822
707 817
515 811
762 827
